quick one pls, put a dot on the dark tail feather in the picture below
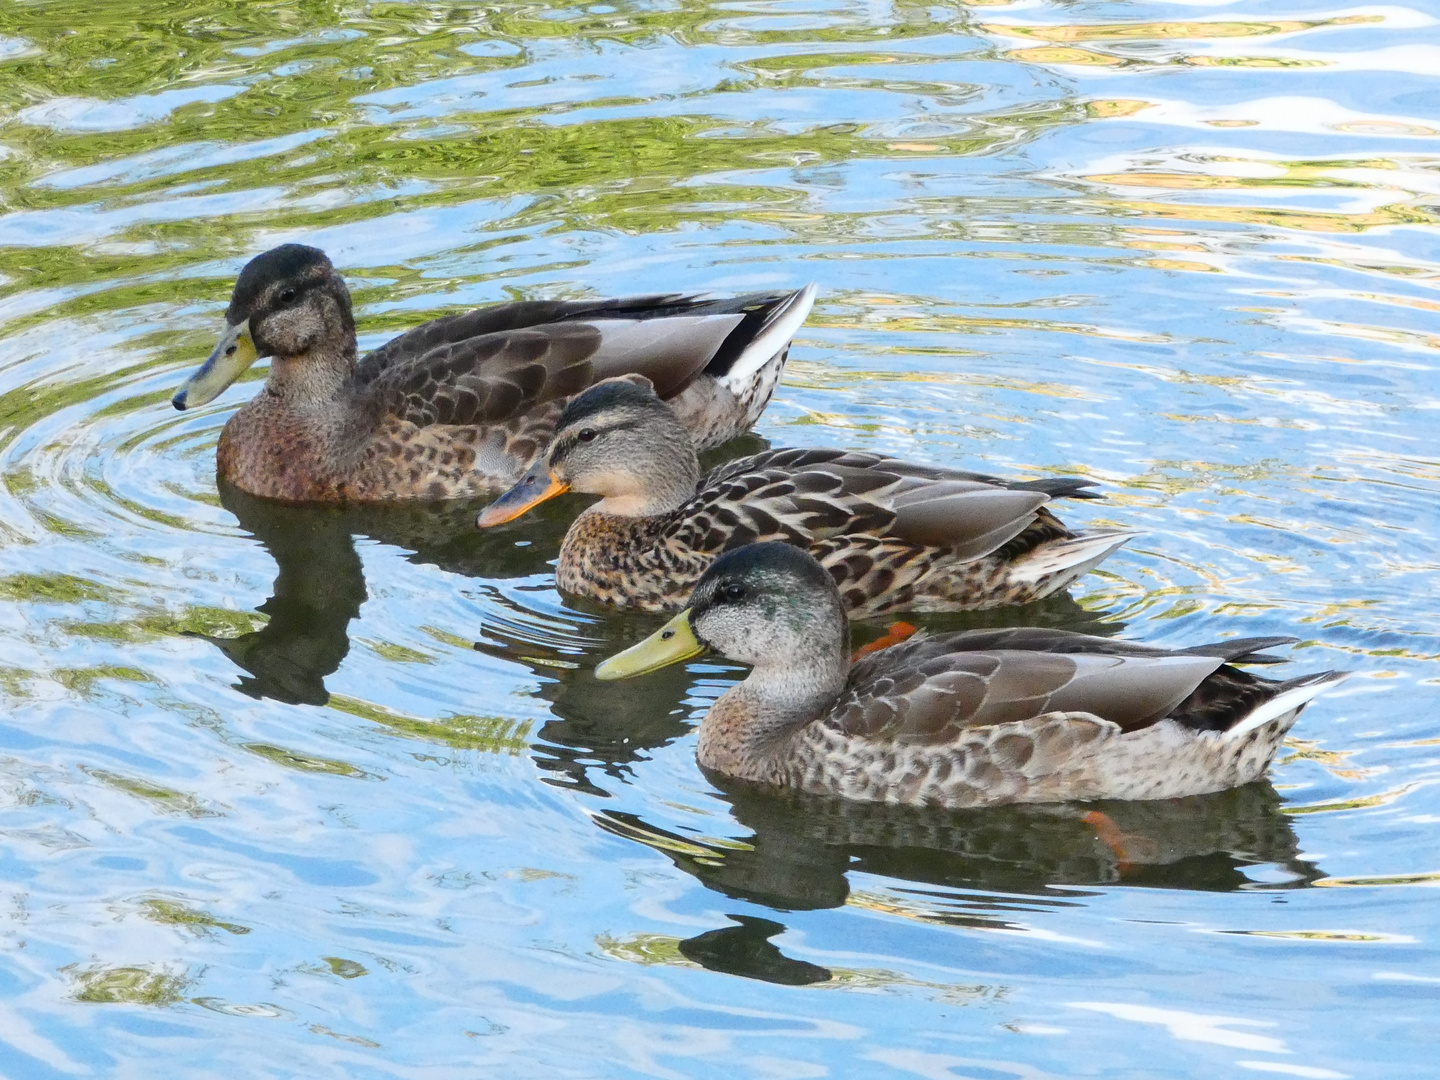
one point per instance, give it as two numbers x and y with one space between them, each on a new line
1243 650
762 311
1058 487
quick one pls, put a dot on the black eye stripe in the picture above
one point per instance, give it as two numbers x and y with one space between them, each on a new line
718 595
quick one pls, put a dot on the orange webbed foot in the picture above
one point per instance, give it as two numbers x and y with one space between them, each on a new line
1110 835
897 633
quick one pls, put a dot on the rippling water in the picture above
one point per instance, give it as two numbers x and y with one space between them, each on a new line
295 792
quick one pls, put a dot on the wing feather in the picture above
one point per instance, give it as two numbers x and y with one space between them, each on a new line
491 365
808 495
502 319
923 693
487 380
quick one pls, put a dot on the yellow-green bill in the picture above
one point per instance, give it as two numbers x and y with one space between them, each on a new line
672 643
232 356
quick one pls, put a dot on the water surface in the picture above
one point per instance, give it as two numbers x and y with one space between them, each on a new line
333 793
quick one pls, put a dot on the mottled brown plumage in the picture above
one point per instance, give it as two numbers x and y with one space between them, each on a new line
969 719
461 405
894 535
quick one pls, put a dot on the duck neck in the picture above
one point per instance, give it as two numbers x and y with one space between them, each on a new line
315 378
749 730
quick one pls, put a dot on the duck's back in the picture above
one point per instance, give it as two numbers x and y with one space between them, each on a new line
955 721
715 361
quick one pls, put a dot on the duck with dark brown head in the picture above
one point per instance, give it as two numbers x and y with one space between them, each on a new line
461 405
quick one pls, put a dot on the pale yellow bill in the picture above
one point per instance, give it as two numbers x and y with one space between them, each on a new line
232 356
672 643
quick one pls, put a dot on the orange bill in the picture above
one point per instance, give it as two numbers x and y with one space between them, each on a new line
530 490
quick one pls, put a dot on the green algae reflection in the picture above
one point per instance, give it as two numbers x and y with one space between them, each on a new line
141 984
269 111
165 800
174 913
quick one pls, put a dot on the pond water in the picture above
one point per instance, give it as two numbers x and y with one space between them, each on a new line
292 792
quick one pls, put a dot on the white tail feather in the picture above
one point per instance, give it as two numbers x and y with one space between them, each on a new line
769 342
636 342
1070 558
1287 701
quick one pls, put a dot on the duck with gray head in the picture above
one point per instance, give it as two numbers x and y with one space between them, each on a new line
461 405
895 535
977 718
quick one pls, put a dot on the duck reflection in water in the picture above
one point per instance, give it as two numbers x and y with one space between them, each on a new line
802 847
320 581
996 868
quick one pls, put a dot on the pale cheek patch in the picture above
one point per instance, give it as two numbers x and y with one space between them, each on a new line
624 493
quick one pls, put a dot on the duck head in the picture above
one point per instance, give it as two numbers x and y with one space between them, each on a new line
290 304
771 606
617 440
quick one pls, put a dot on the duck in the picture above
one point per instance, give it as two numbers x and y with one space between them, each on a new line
460 405
967 719
895 535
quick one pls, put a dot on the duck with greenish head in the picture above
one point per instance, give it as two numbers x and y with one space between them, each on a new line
460 405
895 535
977 718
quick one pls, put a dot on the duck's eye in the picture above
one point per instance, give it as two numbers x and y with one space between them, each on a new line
732 591
586 435
287 295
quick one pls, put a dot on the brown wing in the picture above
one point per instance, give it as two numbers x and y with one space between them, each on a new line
923 693
803 457
497 319
497 377
493 364
796 458
487 380
808 496
754 501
